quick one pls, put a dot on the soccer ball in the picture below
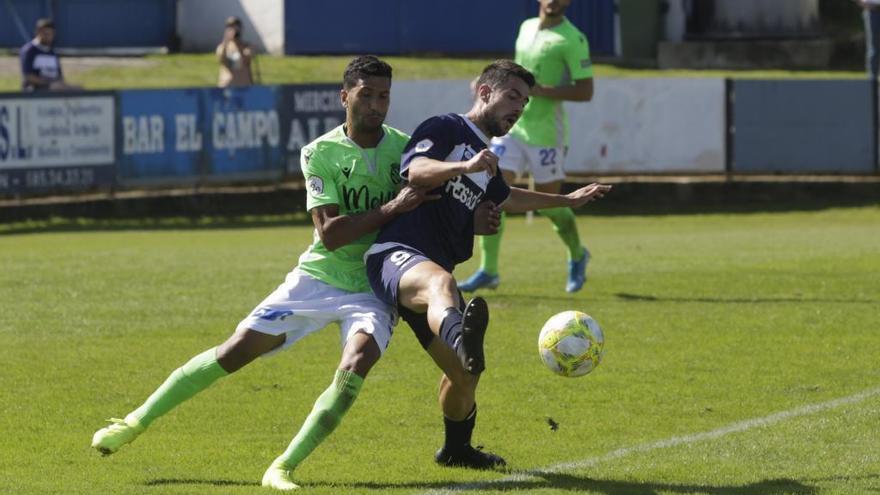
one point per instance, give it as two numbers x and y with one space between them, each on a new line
571 343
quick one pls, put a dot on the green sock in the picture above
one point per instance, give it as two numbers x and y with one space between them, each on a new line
188 380
490 247
329 409
565 224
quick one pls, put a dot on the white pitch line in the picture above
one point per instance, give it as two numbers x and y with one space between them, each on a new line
737 427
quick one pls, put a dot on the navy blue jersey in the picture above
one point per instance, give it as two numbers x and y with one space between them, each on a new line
443 229
41 61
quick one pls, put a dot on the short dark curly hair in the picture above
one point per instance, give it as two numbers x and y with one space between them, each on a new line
364 66
499 71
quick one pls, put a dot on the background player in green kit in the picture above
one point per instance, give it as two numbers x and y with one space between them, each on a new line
558 55
349 171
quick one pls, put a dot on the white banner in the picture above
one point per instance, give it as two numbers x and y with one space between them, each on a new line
56 131
649 126
631 126
413 102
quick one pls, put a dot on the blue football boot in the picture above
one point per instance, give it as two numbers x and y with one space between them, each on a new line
577 273
480 280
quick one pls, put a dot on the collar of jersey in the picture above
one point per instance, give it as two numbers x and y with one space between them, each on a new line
369 166
476 129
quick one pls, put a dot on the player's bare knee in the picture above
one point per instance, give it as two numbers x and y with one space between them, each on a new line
361 353
443 284
243 347
359 364
461 379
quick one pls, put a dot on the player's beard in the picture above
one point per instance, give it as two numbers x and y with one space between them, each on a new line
495 127
370 123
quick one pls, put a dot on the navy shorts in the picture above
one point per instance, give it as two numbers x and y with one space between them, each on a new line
386 268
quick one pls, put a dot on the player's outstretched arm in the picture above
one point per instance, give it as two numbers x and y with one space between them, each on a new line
338 230
522 200
581 90
430 173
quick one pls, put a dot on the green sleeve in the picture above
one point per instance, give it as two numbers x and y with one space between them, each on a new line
577 58
320 180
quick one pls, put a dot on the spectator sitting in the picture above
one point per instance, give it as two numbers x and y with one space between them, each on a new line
234 56
40 66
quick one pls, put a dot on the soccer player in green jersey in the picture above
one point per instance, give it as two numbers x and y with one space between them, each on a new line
353 178
558 54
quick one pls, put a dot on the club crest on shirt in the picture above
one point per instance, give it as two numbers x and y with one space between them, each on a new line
423 145
467 153
315 185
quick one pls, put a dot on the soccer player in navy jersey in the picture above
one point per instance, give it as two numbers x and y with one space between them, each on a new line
410 264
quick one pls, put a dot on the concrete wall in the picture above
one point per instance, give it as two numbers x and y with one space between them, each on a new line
631 126
200 23
649 126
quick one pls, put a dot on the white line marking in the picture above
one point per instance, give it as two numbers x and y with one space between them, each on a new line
737 427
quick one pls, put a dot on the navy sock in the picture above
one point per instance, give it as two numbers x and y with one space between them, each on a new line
458 433
450 328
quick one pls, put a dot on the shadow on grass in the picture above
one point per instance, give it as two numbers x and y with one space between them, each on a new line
513 299
557 481
188 481
615 487
577 484
366 485
746 300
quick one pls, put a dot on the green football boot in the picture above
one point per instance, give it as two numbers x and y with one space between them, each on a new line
279 477
109 439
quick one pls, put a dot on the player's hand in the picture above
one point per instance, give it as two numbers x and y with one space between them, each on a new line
484 161
586 194
487 218
410 197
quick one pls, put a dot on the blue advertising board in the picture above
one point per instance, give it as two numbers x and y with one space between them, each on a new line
193 135
307 111
161 135
244 131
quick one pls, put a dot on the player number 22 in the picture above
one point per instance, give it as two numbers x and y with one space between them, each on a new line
548 156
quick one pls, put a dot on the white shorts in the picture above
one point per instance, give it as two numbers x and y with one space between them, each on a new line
303 305
544 164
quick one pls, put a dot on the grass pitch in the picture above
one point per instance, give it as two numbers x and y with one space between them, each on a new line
730 339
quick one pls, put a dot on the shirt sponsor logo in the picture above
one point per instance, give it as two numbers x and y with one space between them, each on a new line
459 190
361 199
316 185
